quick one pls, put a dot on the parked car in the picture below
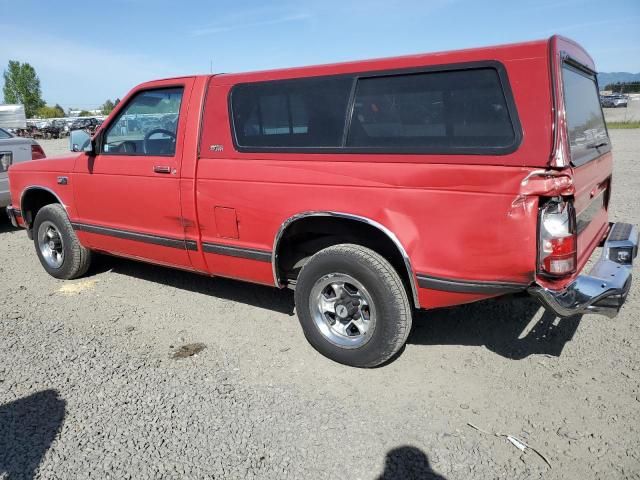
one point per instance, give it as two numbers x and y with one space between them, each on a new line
55 129
14 150
370 188
614 101
88 123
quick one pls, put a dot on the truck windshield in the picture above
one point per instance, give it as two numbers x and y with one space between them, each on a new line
587 132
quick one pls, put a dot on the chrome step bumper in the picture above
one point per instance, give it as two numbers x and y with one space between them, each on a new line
604 290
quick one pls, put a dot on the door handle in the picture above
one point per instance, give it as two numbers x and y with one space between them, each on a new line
162 169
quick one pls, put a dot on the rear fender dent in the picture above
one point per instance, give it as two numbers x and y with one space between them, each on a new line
547 183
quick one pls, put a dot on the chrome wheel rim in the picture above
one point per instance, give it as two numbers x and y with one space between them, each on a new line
342 310
51 244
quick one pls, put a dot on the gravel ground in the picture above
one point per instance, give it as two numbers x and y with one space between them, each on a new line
90 388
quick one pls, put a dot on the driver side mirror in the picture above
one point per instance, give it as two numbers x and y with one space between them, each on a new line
80 141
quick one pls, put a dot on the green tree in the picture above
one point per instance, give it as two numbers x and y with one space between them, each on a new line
22 86
84 113
628 87
107 107
50 112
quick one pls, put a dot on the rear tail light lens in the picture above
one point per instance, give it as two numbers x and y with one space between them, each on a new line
558 239
6 159
37 152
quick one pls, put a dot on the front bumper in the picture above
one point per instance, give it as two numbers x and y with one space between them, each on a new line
13 214
604 290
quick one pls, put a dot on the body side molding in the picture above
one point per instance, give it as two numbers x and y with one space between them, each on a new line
136 236
469 286
348 216
239 252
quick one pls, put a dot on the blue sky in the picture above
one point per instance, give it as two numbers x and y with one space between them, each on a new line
86 52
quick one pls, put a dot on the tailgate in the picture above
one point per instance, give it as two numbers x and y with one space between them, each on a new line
591 157
592 181
12 151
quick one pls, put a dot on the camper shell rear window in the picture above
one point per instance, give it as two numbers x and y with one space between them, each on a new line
586 128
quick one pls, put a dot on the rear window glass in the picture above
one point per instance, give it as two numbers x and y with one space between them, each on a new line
440 110
585 122
303 113
463 111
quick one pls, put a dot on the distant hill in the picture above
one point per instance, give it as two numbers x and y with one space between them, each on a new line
605 78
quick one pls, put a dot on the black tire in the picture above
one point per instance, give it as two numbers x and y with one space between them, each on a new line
76 258
388 295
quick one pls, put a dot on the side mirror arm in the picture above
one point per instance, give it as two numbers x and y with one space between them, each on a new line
92 148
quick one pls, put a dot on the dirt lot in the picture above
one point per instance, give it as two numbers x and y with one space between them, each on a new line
89 388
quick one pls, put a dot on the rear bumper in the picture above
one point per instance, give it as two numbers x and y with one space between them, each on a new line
604 289
13 214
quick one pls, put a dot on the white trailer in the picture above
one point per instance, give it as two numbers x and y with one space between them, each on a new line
12 116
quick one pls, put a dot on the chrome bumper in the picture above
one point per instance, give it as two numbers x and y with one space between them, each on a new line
12 213
604 290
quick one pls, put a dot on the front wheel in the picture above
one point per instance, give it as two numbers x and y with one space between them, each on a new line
57 245
353 306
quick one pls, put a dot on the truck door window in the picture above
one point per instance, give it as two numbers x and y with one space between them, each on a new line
147 125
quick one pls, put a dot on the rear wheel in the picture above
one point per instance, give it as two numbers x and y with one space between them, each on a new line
353 306
57 246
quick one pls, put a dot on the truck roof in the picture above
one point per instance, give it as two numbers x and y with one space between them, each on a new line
503 52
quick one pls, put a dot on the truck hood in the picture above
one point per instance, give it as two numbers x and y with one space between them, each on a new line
62 164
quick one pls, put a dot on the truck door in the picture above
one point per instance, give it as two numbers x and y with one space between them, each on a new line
128 193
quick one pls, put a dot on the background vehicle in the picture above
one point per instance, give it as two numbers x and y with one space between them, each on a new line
614 101
370 188
55 129
90 124
14 150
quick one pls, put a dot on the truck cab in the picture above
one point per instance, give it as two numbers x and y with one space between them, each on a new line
371 188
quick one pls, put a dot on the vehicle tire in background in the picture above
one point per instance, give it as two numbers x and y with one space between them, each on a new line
353 305
57 245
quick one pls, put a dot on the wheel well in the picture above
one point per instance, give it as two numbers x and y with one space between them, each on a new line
33 200
308 235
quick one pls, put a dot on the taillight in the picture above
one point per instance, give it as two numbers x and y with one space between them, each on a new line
37 152
6 159
558 238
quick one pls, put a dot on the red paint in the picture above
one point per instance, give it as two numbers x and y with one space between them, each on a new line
467 217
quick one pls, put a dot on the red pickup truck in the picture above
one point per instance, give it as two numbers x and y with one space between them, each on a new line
370 188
